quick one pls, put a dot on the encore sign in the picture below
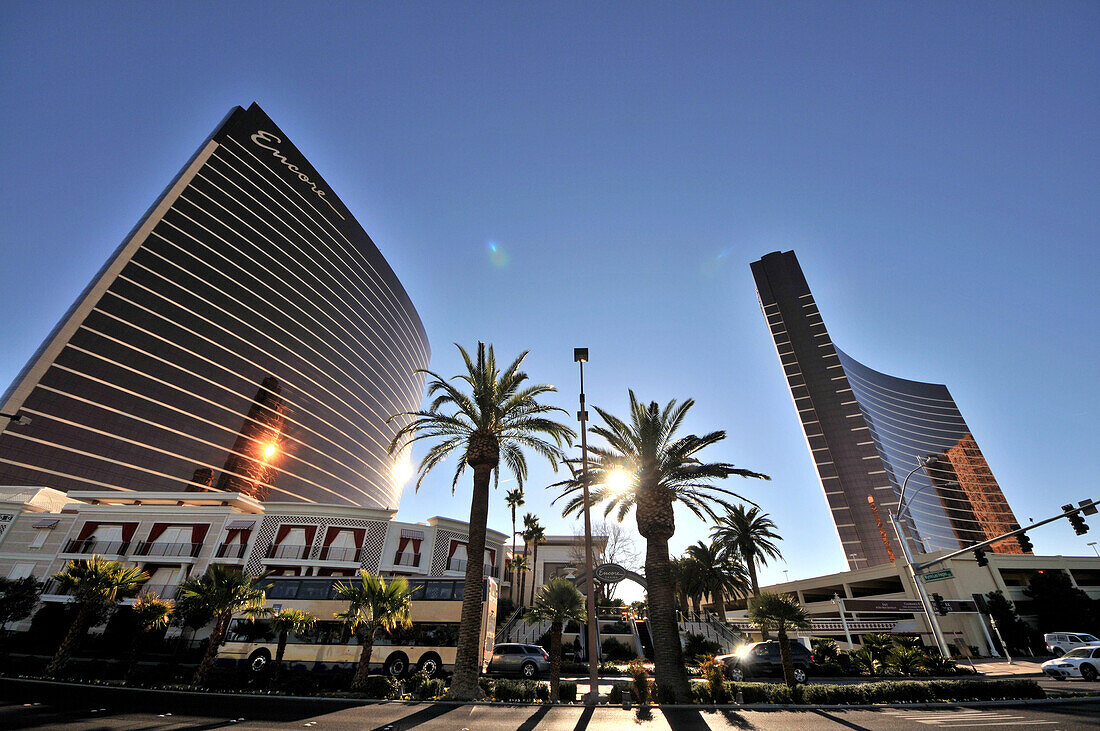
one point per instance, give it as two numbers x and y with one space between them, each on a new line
610 573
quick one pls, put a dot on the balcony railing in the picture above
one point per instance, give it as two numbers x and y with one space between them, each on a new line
164 591
293 551
91 545
459 564
146 548
232 550
406 559
337 553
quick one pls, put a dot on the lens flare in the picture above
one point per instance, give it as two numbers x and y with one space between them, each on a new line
498 257
269 451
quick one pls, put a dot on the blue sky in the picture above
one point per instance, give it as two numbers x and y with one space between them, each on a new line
933 165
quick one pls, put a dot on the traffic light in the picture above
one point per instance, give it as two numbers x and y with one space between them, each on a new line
1080 527
979 556
939 605
1025 543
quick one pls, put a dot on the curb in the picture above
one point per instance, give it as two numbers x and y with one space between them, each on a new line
75 693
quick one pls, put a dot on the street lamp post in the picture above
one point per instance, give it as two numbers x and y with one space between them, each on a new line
925 603
580 356
1093 544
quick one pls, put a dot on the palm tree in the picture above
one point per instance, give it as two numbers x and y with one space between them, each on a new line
750 533
285 622
491 424
782 613
690 584
878 644
520 566
222 592
530 521
150 613
514 499
373 604
558 602
96 585
664 469
537 535
718 574
906 660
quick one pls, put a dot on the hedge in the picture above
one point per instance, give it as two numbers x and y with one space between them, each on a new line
898 691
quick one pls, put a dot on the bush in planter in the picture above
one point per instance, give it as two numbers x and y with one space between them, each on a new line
381 687
639 682
607 668
567 691
429 689
414 681
519 690
618 627
487 686
614 650
696 647
714 675
618 690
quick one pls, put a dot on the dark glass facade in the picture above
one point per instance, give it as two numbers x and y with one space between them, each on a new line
866 431
247 336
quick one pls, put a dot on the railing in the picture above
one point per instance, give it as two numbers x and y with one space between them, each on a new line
459 564
147 548
294 551
164 591
91 545
232 550
509 623
330 553
406 559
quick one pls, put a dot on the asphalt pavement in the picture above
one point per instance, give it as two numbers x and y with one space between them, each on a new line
398 717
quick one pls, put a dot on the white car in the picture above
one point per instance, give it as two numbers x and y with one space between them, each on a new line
1082 662
1059 643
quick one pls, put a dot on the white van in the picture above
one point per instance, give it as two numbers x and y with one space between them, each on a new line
1059 643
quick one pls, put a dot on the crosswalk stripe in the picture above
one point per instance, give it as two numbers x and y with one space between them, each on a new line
1000 723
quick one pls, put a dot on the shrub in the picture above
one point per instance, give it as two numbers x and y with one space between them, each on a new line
639 682
488 686
714 674
414 682
614 650
618 627
615 695
519 690
380 687
696 647
430 688
825 650
906 691
567 691
607 668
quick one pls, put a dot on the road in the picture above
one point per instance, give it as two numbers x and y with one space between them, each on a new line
397 717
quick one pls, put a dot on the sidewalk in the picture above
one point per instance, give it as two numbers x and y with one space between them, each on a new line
999 667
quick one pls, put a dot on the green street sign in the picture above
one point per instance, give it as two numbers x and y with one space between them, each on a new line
937 575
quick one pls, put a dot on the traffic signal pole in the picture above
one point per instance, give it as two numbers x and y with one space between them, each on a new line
1085 506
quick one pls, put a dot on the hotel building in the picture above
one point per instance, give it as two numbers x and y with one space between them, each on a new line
867 431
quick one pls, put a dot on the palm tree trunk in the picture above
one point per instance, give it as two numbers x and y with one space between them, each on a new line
534 571
468 657
555 661
668 655
359 682
65 650
132 658
720 605
785 653
515 574
523 578
212 645
750 564
697 605
280 650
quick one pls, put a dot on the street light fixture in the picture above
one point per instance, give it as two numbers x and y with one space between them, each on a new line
1093 544
580 356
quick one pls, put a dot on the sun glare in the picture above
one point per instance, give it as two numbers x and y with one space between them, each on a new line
403 468
619 480
269 451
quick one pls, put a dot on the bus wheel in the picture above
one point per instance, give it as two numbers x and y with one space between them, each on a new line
396 665
259 661
430 664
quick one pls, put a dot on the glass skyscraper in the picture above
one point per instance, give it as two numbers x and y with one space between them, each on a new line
247 336
867 430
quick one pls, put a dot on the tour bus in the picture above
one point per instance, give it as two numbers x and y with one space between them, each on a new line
429 644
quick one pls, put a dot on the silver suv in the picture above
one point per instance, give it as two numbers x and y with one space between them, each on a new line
1059 643
527 661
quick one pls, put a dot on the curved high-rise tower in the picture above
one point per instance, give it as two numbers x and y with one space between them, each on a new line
247 336
866 431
